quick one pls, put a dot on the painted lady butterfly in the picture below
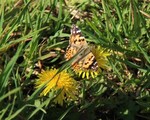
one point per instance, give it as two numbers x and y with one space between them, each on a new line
78 47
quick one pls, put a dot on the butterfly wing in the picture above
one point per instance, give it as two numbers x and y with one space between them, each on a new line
76 42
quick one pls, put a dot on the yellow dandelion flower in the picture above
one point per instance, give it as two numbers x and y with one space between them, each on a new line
58 81
101 58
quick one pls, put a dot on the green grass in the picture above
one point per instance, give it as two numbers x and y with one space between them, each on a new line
31 30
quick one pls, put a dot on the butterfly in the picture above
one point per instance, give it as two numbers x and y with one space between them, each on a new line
78 48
